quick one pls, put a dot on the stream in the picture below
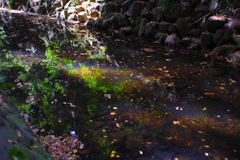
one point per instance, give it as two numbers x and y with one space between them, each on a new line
125 97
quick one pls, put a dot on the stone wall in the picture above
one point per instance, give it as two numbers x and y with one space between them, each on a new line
17 141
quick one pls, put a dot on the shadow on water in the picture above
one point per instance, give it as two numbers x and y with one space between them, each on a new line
126 97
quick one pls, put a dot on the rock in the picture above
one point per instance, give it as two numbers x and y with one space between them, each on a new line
221 37
172 40
94 14
163 27
157 13
173 29
126 30
4 146
63 15
68 4
102 23
194 33
215 22
108 10
207 41
151 29
90 22
177 11
140 26
118 6
235 57
79 8
183 26
198 12
190 42
161 37
205 2
236 39
225 50
73 17
125 6
135 9
146 14
120 19
163 155
82 17
63 2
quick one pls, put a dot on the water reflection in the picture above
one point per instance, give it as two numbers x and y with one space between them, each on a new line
126 97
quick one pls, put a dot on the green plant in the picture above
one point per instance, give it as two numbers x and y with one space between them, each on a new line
17 154
74 3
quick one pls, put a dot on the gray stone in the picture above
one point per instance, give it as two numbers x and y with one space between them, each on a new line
194 32
125 6
177 11
215 22
72 17
82 17
108 9
163 27
120 19
102 23
90 22
151 29
198 12
190 42
4 146
135 9
220 37
173 29
236 39
161 37
63 15
126 30
157 13
183 26
207 41
146 14
225 50
172 40
235 57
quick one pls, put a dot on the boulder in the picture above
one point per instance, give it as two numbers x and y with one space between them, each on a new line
135 9
94 14
90 22
145 13
79 8
108 10
82 17
235 39
126 30
191 42
207 41
63 15
183 26
173 29
235 57
194 32
141 31
198 12
72 17
151 29
101 23
163 27
177 11
120 19
125 6
140 23
172 40
215 22
221 37
161 37
225 50
157 13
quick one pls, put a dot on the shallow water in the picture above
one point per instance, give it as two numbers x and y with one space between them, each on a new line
139 100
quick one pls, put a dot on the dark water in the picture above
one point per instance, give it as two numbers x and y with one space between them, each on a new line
138 99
